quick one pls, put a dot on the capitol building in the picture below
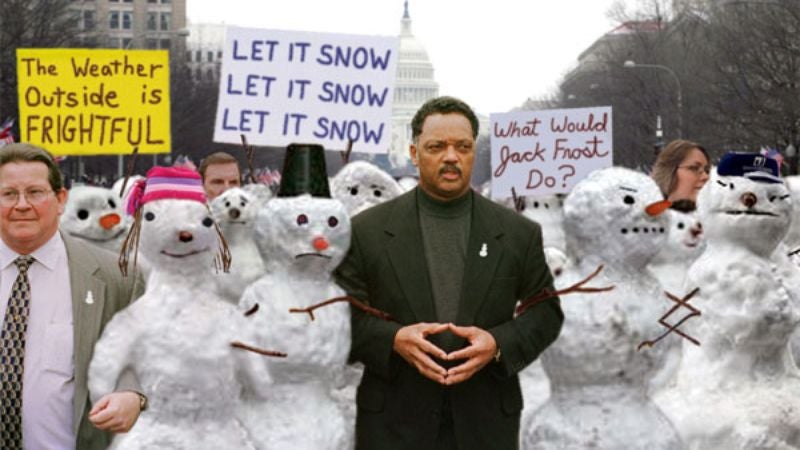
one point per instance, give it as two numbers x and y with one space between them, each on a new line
414 85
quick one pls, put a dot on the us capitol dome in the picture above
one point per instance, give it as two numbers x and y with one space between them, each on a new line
414 85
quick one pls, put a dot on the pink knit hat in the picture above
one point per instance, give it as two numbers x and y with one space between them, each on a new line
164 183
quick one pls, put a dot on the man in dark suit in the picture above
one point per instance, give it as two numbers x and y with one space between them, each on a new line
73 290
449 266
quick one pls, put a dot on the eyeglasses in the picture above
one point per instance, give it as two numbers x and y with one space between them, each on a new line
34 196
697 170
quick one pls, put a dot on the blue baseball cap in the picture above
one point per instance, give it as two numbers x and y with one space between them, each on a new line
754 166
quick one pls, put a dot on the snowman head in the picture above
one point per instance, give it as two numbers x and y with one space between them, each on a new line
685 238
615 214
547 211
173 224
793 237
746 204
305 234
93 213
235 209
360 185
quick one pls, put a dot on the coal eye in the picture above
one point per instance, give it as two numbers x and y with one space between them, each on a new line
333 221
535 204
227 204
377 193
680 225
149 216
243 203
112 203
353 191
302 219
83 214
207 222
629 200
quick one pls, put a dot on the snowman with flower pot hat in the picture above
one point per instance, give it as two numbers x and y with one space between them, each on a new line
598 379
740 388
304 235
184 344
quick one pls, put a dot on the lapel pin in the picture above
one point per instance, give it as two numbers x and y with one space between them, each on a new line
89 298
484 251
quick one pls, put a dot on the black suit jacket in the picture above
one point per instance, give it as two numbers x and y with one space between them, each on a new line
398 408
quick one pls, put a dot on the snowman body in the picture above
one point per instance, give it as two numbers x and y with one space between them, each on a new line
94 215
177 340
684 245
235 211
598 379
749 307
305 239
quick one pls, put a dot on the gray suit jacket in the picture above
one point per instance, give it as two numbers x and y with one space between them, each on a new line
398 408
95 270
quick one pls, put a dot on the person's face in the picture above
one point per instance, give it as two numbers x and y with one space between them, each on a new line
444 153
690 176
32 220
219 178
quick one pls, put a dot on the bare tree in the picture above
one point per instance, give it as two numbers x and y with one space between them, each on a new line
30 24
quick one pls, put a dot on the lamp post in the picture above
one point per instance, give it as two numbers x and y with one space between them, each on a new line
633 65
182 32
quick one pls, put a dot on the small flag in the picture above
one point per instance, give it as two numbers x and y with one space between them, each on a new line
774 154
6 134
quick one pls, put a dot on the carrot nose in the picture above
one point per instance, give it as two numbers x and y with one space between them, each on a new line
320 243
654 209
109 220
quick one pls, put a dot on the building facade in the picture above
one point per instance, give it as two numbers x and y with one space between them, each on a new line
148 24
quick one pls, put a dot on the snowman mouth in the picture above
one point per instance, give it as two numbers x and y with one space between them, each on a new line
183 255
311 254
750 212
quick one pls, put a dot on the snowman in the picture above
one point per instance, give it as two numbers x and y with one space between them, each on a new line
304 238
598 379
117 186
547 212
791 243
360 185
740 389
684 245
407 183
533 380
94 214
235 211
178 338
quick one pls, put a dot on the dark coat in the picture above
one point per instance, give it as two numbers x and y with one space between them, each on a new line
400 409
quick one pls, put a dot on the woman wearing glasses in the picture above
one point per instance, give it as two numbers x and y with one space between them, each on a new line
681 169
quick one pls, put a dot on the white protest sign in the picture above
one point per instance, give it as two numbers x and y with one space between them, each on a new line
549 151
278 87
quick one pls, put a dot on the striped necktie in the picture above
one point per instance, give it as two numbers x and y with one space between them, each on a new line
12 357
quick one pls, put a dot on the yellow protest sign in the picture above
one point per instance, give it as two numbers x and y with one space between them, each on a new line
94 102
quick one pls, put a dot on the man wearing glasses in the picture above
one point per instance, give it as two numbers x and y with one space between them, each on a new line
57 294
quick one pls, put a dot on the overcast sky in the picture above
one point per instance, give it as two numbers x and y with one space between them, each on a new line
493 54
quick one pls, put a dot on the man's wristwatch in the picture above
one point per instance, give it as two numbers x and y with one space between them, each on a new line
142 401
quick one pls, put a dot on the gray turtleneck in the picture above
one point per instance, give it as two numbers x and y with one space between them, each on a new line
445 235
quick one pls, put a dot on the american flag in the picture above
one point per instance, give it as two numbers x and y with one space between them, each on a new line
6 135
774 154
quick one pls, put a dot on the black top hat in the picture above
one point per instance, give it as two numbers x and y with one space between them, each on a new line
304 172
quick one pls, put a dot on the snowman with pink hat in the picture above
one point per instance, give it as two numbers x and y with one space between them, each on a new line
184 343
